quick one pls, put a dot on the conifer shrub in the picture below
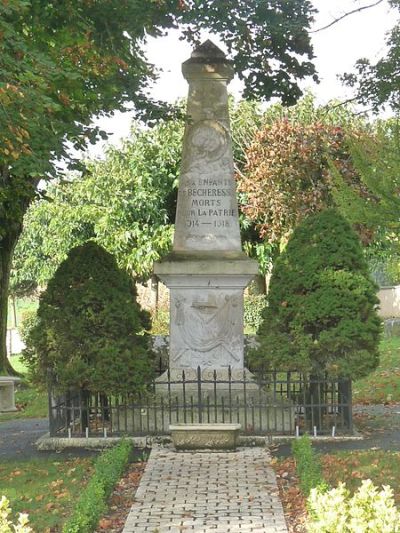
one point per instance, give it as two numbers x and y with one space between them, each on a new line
321 314
89 330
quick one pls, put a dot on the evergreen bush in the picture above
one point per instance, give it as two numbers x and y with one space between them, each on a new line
89 330
321 314
92 503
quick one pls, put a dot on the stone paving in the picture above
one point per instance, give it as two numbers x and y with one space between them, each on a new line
207 492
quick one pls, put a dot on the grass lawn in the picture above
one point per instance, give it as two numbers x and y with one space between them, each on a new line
382 467
18 364
46 489
22 305
30 402
383 385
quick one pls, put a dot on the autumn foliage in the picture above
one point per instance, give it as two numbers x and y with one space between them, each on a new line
288 173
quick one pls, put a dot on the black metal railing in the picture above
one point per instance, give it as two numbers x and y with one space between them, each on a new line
270 403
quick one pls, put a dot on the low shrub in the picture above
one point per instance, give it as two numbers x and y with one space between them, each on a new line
93 502
367 510
28 321
308 465
6 526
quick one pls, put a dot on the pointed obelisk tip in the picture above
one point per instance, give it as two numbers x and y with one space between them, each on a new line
208 50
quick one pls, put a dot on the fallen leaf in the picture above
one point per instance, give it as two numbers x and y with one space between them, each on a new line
105 523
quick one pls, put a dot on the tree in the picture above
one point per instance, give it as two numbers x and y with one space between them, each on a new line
376 160
290 163
133 216
63 62
378 84
321 314
88 331
268 41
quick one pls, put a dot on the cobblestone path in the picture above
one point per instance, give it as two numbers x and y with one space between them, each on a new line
207 492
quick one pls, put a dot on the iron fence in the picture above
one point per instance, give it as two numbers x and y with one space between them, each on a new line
284 403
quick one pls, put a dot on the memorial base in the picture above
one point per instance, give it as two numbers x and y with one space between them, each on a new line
206 308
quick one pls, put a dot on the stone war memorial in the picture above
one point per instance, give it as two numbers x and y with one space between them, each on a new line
207 271
207 395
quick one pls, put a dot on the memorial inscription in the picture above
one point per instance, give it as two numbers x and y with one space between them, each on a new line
207 201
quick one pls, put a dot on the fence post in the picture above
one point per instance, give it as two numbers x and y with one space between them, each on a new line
184 395
169 396
230 394
345 401
215 397
199 402
52 428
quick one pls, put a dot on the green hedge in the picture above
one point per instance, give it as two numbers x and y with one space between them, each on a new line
308 465
93 501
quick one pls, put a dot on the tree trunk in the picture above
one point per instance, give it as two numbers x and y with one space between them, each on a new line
345 402
18 192
316 404
7 245
14 308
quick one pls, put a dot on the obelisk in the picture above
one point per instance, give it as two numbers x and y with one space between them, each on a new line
207 271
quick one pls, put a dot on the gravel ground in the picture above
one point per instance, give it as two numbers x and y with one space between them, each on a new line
379 424
17 439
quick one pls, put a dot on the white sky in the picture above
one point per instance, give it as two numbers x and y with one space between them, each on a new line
336 50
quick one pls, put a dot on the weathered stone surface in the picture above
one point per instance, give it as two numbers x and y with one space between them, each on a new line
205 436
7 394
160 346
207 213
207 270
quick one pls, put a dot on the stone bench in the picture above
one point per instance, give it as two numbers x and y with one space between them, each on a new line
205 436
7 397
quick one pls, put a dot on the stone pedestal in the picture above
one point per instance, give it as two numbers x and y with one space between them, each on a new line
206 309
7 394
